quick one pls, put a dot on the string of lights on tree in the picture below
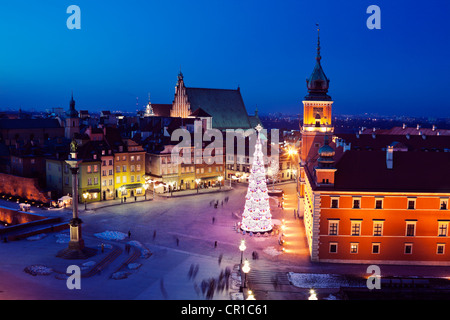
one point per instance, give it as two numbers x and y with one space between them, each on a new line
256 216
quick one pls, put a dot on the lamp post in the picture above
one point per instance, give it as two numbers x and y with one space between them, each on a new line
122 189
242 248
197 181
245 269
220 182
85 195
145 190
153 182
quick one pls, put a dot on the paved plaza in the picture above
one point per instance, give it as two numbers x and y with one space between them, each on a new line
179 233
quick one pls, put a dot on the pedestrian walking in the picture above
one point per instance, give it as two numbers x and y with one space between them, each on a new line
129 234
178 242
213 220
103 247
220 258
154 234
194 274
215 244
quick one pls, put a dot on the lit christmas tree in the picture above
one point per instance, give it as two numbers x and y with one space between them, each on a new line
256 216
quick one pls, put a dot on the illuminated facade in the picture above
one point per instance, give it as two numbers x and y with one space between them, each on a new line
371 199
317 119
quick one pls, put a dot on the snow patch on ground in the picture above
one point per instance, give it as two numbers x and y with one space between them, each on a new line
271 251
37 237
134 266
111 235
317 280
62 238
145 253
38 270
120 275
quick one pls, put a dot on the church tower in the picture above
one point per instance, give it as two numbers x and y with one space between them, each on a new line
72 123
180 105
317 118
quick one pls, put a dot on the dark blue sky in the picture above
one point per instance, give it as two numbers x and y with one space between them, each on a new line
126 49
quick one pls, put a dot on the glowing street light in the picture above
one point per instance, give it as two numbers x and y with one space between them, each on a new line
145 190
85 195
246 269
250 295
242 247
312 295
122 190
197 181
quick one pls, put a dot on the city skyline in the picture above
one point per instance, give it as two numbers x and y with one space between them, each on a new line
123 52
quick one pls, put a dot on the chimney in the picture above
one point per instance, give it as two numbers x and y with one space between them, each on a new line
390 157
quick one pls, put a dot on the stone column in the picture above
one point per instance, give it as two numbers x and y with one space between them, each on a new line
76 241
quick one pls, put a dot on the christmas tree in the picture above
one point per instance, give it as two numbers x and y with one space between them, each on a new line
256 216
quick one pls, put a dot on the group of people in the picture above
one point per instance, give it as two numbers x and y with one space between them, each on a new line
216 202
212 285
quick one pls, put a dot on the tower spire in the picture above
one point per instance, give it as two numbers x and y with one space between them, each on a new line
318 57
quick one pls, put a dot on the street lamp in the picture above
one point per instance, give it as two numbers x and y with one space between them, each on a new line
246 269
197 181
250 295
145 190
153 182
242 247
312 295
220 182
122 189
85 195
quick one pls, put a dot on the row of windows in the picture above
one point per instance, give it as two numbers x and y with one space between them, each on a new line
136 178
94 181
133 168
378 225
376 248
124 158
411 204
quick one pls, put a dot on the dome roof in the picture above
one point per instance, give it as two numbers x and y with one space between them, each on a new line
326 151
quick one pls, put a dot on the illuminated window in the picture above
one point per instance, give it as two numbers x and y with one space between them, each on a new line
333 226
356 228
354 247
443 228
377 228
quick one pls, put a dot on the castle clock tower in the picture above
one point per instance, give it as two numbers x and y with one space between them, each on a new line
317 118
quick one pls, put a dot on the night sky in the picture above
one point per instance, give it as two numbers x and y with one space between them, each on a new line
126 49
